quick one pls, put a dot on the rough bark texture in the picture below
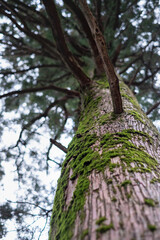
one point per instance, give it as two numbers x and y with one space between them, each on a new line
110 183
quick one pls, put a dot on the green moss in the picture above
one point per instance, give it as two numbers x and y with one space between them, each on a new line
150 202
105 228
155 180
109 181
136 110
128 195
125 183
131 99
104 118
114 199
112 166
136 115
114 190
89 114
128 94
65 219
82 158
152 228
127 152
103 82
108 117
84 234
100 220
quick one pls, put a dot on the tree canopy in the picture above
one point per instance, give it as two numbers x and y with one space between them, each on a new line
49 56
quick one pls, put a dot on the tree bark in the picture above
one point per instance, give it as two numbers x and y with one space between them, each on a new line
109 185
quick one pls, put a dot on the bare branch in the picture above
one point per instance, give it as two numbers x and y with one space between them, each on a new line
116 54
81 49
117 12
29 9
134 76
33 204
153 107
47 44
40 89
43 228
28 69
49 159
145 78
81 18
98 14
41 115
130 63
61 44
59 145
59 164
108 67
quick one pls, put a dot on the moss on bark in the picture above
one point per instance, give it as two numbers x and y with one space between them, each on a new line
89 151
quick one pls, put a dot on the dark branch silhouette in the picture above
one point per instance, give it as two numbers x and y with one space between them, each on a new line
81 18
41 115
40 89
62 46
48 46
108 67
59 145
153 108
6 72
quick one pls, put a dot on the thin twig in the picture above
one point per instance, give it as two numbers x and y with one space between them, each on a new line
59 164
43 114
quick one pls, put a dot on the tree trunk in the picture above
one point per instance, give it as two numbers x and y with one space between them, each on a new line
109 185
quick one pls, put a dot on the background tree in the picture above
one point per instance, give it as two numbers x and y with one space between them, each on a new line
51 64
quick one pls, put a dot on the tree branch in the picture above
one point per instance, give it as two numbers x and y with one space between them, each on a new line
134 76
108 67
61 44
43 114
145 78
117 12
22 7
49 159
59 164
39 89
66 75
81 18
28 69
153 107
47 44
81 49
116 54
98 4
59 145
130 63
33 204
